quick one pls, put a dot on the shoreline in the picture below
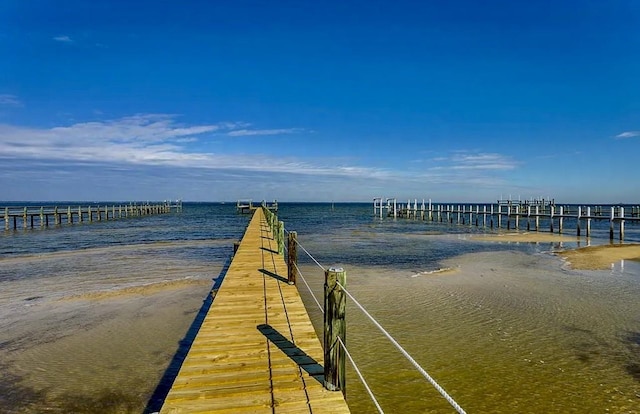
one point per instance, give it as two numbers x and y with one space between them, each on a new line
596 257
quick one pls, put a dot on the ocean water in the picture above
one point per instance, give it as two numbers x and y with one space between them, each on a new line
91 315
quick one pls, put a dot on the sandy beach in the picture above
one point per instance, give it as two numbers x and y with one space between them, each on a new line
600 257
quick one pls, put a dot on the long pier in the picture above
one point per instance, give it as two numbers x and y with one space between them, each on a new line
31 217
256 350
510 214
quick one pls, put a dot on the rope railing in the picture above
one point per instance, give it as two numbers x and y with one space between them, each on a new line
364 382
413 362
334 366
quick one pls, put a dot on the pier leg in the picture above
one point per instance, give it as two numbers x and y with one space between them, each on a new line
613 213
588 221
335 327
6 218
280 230
292 257
621 223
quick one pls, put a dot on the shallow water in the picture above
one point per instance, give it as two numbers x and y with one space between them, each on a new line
91 315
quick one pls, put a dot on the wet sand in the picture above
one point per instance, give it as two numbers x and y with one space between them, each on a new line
600 257
524 237
97 331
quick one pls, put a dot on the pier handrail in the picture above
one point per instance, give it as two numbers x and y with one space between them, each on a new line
271 219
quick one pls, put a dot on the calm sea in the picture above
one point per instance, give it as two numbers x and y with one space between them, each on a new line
95 312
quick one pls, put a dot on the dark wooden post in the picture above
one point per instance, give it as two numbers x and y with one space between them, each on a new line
236 245
335 327
280 231
56 216
24 218
292 257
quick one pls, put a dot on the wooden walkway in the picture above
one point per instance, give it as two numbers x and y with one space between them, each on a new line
256 351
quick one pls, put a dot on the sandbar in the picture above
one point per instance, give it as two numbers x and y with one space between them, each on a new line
600 257
524 237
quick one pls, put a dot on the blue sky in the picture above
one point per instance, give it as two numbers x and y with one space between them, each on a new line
461 101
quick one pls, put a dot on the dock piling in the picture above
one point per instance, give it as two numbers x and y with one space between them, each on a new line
292 257
335 301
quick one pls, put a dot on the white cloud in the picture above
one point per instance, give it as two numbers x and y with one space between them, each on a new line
476 161
251 132
9 100
628 134
152 139
63 39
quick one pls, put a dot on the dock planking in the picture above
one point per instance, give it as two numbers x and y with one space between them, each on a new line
256 351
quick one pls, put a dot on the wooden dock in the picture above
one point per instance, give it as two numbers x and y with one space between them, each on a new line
247 206
514 214
256 351
32 216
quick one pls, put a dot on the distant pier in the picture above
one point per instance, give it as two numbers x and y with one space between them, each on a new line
514 215
246 206
16 217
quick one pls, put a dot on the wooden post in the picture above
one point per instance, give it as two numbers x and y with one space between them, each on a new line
292 257
551 208
69 216
236 246
335 301
89 214
560 220
6 218
588 222
611 223
80 214
56 216
280 230
41 216
24 218
578 221
621 223
537 218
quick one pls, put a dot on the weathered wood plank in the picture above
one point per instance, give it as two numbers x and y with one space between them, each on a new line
256 350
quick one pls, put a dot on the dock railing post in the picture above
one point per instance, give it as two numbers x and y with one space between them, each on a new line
613 214
335 327
621 223
280 232
292 257
24 218
6 218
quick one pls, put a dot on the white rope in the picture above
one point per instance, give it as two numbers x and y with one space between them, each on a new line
406 355
309 288
355 367
309 254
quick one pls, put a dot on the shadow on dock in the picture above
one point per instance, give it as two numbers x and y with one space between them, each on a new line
274 275
166 382
298 356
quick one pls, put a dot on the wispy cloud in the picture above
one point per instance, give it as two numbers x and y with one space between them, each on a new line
9 100
63 39
251 132
476 161
154 139
628 134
